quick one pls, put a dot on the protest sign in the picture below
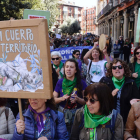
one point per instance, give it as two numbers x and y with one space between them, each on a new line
66 53
33 14
25 62
58 36
138 28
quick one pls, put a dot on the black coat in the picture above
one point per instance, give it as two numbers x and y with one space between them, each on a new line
129 92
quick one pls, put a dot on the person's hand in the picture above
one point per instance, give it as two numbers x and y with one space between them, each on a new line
95 44
42 138
20 125
65 97
114 92
105 51
135 75
134 101
74 98
132 139
57 71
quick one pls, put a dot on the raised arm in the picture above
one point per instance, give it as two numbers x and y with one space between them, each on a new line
89 53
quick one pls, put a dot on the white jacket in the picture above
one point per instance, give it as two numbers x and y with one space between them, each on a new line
6 126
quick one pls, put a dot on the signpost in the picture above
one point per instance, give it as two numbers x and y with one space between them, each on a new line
25 62
33 14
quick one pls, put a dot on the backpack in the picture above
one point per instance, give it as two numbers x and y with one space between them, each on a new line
111 126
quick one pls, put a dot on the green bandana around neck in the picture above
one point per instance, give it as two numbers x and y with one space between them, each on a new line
118 83
92 121
68 85
60 67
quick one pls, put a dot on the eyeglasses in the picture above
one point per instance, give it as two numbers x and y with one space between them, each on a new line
115 67
91 100
78 54
137 53
57 58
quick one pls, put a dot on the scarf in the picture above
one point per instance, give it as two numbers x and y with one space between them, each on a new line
92 121
118 83
60 67
39 115
68 85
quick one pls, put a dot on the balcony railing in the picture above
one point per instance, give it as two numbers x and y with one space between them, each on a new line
123 1
115 3
105 10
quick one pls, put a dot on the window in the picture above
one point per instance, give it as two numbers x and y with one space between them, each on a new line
93 11
65 8
76 10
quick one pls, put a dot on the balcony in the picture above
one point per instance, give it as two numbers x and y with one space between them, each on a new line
115 3
121 1
105 10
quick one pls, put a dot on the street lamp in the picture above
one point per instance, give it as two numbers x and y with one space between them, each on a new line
131 18
110 3
121 21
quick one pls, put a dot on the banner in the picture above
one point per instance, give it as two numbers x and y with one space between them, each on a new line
67 52
138 28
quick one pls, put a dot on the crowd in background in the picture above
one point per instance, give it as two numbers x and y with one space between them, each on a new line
95 95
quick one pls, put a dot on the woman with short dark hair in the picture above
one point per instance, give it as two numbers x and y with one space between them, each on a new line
96 120
122 86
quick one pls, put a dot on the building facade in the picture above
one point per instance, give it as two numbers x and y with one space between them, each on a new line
88 20
118 17
69 9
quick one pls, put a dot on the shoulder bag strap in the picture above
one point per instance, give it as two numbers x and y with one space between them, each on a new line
89 66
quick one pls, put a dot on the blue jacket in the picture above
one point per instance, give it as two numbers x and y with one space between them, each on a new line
58 127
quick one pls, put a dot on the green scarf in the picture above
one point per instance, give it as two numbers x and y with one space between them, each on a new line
92 121
68 85
118 83
60 67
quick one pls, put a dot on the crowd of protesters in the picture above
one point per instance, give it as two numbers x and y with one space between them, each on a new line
95 96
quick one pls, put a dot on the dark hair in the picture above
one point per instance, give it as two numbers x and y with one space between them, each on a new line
135 58
74 52
3 102
101 56
104 96
51 103
127 72
83 53
77 74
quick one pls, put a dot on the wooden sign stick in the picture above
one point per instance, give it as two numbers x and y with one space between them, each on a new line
20 111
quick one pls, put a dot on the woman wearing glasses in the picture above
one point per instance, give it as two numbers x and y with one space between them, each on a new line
75 55
69 90
96 65
135 66
57 63
97 120
123 87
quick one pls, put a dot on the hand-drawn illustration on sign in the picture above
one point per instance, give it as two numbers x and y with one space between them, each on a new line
25 62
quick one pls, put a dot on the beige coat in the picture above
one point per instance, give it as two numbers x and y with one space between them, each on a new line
6 127
133 122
